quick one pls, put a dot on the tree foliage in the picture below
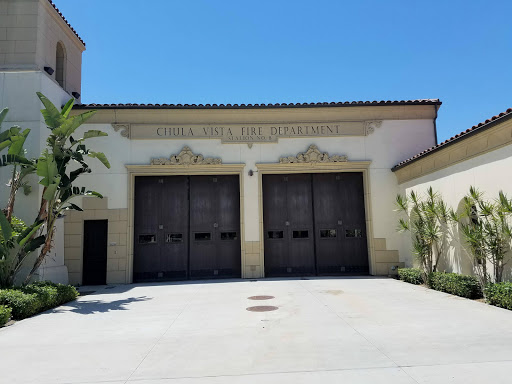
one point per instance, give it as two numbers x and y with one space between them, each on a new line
58 167
426 217
485 225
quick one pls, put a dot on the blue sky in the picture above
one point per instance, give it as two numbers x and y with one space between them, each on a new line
223 51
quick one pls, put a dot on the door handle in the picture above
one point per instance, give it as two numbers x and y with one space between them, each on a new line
215 225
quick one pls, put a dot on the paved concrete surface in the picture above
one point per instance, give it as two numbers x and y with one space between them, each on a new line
326 330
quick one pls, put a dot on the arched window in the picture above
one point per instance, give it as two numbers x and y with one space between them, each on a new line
60 75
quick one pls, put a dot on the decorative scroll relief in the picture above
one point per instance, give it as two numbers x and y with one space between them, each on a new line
313 155
186 157
124 128
371 125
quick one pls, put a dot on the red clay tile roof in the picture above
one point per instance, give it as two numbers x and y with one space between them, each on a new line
63 18
503 116
276 105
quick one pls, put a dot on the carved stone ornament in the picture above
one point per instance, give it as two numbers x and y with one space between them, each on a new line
313 155
186 157
124 128
371 125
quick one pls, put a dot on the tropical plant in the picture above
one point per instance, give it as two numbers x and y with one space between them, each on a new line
13 230
59 166
485 225
13 139
427 218
8 248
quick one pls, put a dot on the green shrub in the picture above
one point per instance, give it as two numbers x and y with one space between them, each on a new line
36 297
22 304
499 294
66 293
5 315
459 285
52 293
46 294
411 275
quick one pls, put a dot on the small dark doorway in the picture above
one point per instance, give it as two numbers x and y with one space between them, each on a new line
95 252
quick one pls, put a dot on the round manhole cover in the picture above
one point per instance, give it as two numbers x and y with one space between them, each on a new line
262 308
261 297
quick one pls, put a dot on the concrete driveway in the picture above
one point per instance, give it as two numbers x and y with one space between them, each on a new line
325 330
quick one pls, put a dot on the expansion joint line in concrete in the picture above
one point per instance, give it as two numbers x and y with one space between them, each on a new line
156 342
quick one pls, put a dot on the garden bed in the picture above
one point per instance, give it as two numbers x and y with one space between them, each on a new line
497 294
22 302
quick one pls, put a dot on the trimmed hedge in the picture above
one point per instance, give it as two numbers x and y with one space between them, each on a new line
22 304
37 297
46 295
411 275
459 285
499 294
5 315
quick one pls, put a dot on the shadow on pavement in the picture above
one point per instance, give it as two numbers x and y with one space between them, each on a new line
90 307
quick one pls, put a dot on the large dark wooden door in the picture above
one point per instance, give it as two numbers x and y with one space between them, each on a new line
314 224
161 228
340 236
215 227
288 225
186 227
95 252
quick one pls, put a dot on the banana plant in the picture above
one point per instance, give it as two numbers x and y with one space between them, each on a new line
62 154
14 139
12 240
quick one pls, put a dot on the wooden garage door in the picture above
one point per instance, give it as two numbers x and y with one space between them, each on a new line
288 225
340 225
186 227
314 224
215 227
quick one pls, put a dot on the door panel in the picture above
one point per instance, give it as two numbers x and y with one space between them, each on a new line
173 227
288 225
300 231
275 230
214 227
95 252
354 244
203 213
160 228
328 223
227 233
148 194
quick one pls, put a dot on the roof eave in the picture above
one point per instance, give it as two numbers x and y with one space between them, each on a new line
258 106
463 136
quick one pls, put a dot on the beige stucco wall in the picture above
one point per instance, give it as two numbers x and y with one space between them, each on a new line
97 209
29 33
18 34
18 93
483 160
400 136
